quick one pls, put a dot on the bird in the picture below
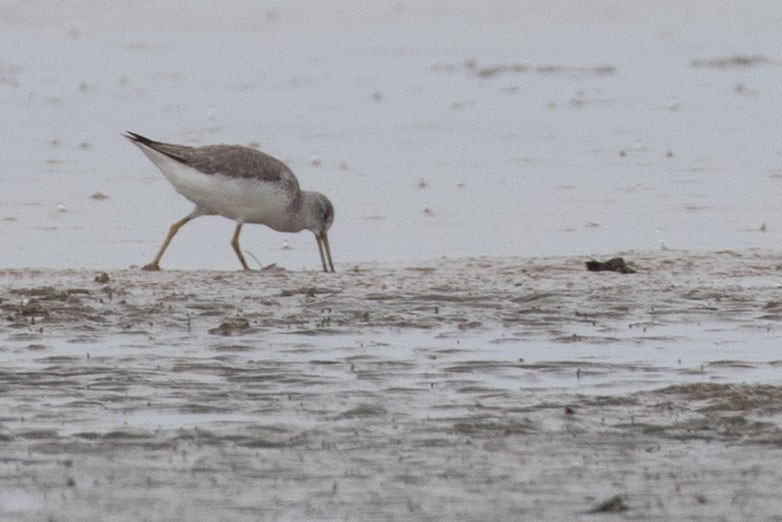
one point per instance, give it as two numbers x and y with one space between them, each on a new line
242 184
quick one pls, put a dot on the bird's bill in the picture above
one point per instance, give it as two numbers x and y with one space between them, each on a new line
325 251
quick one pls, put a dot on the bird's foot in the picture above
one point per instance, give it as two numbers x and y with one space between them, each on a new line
152 267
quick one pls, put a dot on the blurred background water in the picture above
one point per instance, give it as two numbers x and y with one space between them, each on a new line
501 128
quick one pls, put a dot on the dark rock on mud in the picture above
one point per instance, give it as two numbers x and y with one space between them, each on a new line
616 264
615 504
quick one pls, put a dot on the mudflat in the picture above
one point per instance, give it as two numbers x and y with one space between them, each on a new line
476 388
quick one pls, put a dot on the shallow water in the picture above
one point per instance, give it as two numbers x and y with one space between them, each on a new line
599 130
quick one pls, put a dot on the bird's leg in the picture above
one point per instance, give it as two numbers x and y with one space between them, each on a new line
154 265
235 245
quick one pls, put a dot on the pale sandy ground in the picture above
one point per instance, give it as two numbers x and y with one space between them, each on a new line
462 389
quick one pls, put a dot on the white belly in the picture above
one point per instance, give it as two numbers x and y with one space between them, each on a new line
247 200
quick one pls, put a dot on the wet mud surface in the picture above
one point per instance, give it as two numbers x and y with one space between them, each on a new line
490 388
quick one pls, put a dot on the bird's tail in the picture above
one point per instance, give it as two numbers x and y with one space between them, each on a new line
138 138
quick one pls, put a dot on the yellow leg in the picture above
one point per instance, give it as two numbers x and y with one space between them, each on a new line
235 245
154 265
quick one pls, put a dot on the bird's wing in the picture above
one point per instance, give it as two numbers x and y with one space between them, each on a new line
228 160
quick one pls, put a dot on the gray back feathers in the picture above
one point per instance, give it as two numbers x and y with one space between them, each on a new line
229 160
